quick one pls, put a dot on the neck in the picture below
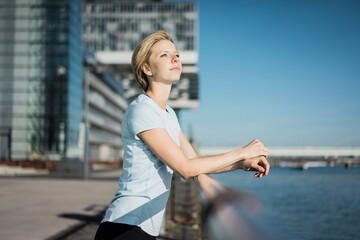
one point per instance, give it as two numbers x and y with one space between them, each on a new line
159 93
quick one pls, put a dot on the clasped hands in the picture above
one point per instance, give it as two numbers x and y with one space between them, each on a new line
254 158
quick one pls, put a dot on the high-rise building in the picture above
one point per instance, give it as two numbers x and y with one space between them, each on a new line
112 29
48 90
41 70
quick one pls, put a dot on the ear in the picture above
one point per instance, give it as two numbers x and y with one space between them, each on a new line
146 69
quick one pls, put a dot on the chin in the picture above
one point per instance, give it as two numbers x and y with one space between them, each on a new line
174 79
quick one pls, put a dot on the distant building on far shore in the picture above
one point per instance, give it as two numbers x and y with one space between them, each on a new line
293 152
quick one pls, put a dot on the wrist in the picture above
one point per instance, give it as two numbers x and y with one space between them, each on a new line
240 164
241 158
240 154
201 176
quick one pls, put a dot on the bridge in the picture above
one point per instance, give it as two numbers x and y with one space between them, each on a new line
302 157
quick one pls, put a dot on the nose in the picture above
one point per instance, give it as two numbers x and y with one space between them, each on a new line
175 58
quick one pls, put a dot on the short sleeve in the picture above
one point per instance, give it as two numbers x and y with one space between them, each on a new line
175 119
177 124
144 117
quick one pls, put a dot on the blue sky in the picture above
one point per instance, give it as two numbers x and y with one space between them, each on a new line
286 72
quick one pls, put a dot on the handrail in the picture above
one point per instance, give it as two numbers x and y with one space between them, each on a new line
228 214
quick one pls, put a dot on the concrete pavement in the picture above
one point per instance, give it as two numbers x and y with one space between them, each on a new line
44 207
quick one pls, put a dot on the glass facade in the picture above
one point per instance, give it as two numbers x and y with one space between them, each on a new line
41 76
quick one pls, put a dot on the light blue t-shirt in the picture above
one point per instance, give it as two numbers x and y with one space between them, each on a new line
145 181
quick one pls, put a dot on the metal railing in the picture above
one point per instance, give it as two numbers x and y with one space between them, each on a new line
228 214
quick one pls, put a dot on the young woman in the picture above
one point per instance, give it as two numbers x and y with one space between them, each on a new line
154 147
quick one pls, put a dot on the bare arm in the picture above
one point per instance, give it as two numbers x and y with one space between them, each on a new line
186 147
188 164
189 152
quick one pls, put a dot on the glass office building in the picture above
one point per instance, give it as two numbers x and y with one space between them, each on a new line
113 29
41 77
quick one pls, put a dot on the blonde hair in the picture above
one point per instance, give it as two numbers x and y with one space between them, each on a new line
142 55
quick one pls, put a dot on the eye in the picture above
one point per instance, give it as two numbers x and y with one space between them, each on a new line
163 55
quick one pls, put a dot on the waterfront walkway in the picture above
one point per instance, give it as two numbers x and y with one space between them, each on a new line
44 207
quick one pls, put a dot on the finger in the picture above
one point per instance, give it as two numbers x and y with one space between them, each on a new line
264 162
258 175
257 167
267 167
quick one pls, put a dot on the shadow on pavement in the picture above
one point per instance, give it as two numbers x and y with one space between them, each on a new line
87 227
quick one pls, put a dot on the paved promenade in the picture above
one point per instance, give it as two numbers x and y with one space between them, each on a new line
44 207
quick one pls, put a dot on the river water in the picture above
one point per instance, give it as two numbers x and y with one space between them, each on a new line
318 203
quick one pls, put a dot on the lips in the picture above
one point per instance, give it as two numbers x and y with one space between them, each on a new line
175 68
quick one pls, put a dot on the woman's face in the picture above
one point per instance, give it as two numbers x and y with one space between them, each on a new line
164 64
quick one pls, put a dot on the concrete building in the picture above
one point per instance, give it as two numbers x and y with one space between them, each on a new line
112 29
104 108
